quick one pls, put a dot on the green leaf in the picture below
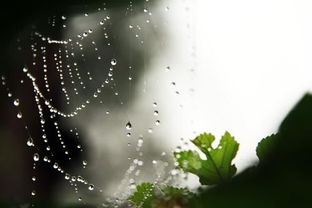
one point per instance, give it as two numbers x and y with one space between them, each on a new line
217 167
171 192
149 195
265 147
173 197
144 195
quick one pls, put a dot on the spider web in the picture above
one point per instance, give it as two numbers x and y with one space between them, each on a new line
99 66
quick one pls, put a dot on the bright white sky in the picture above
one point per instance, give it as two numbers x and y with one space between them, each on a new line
254 61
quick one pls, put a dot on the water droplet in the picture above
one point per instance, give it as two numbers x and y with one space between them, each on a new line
132 186
91 187
67 176
156 113
128 126
140 163
46 159
84 162
36 157
33 193
174 172
33 178
113 62
157 123
19 115
154 104
30 142
55 166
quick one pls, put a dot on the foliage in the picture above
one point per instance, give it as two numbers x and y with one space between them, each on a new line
217 167
265 146
149 195
144 195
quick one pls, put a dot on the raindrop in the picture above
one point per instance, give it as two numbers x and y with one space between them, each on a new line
157 123
128 126
132 186
46 159
91 187
174 172
19 115
113 62
84 162
33 193
16 102
30 142
55 166
67 176
156 113
36 157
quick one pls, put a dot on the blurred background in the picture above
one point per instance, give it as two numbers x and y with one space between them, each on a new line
179 68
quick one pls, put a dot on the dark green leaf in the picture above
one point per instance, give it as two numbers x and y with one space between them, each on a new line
265 147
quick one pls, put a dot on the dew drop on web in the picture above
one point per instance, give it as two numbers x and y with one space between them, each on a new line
128 126
16 102
36 157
